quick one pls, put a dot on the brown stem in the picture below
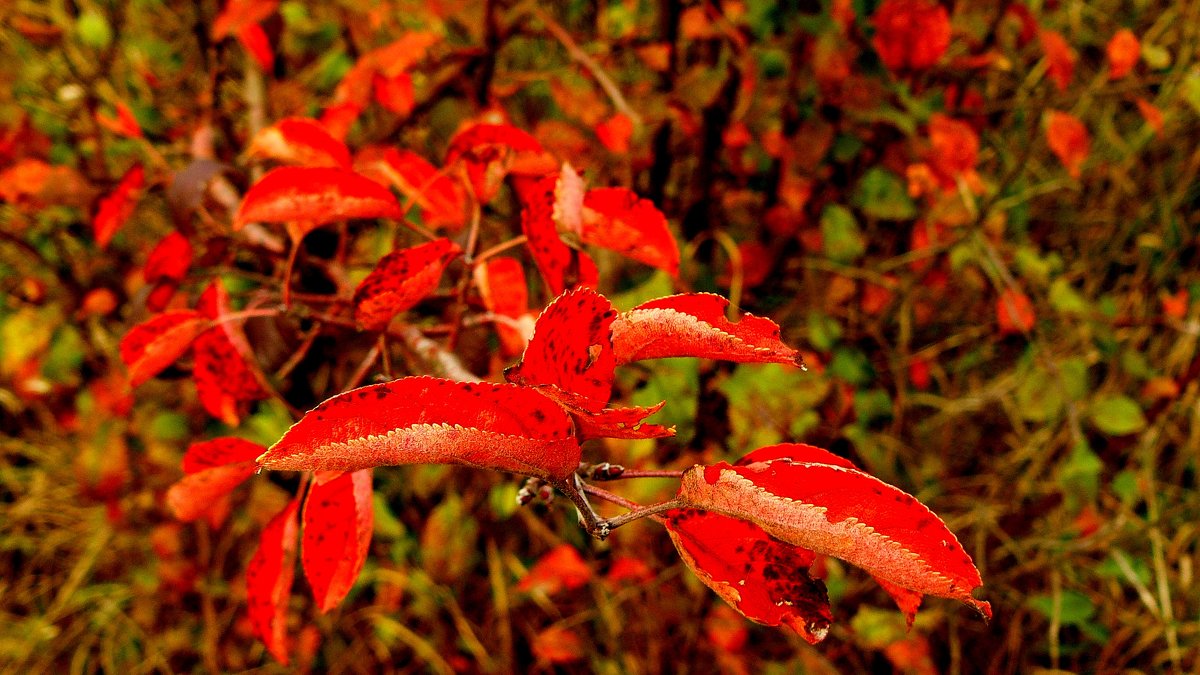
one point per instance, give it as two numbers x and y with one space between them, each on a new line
499 248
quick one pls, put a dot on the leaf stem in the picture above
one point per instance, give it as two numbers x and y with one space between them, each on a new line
500 248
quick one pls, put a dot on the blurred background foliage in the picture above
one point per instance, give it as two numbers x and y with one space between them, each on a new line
982 233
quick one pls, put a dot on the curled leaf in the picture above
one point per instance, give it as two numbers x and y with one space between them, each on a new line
315 195
561 266
442 201
617 219
300 141
155 344
694 324
401 280
223 377
338 520
843 512
269 581
427 420
765 579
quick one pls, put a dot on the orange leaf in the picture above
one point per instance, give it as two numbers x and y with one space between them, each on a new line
401 280
557 645
338 519
1014 312
115 208
1069 140
394 93
269 581
617 219
911 34
300 141
837 510
254 41
694 324
154 344
213 469
1123 52
1151 114
315 195
427 420
954 151
615 132
124 124
237 14
562 568
1059 57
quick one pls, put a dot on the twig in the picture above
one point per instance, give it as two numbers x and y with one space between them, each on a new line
588 63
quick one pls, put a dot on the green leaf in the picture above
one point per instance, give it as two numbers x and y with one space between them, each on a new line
1156 57
1117 416
1039 396
1065 299
872 405
1074 608
882 194
844 242
1079 475
1074 373
1191 88
851 365
93 30
823 331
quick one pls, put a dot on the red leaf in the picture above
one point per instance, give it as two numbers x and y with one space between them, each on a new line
488 151
254 41
1059 56
571 349
796 452
300 141
339 117
338 519
394 93
237 14
214 468
269 581
954 151
153 345
115 208
694 324
562 568
561 266
1014 312
124 124
427 420
501 284
911 34
763 578
388 61
1123 52
315 195
1069 140
443 201
169 261
223 377
617 219
843 512
401 280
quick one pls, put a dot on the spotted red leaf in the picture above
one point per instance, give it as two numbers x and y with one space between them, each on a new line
561 266
338 518
765 579
269 581
300 141
608 422
840 511
169 260
488 152
427 420
617 219
694 324
115 208
315 195
223 378
154 344
571 348
501 284
213 469
560 569
442 200
400 280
